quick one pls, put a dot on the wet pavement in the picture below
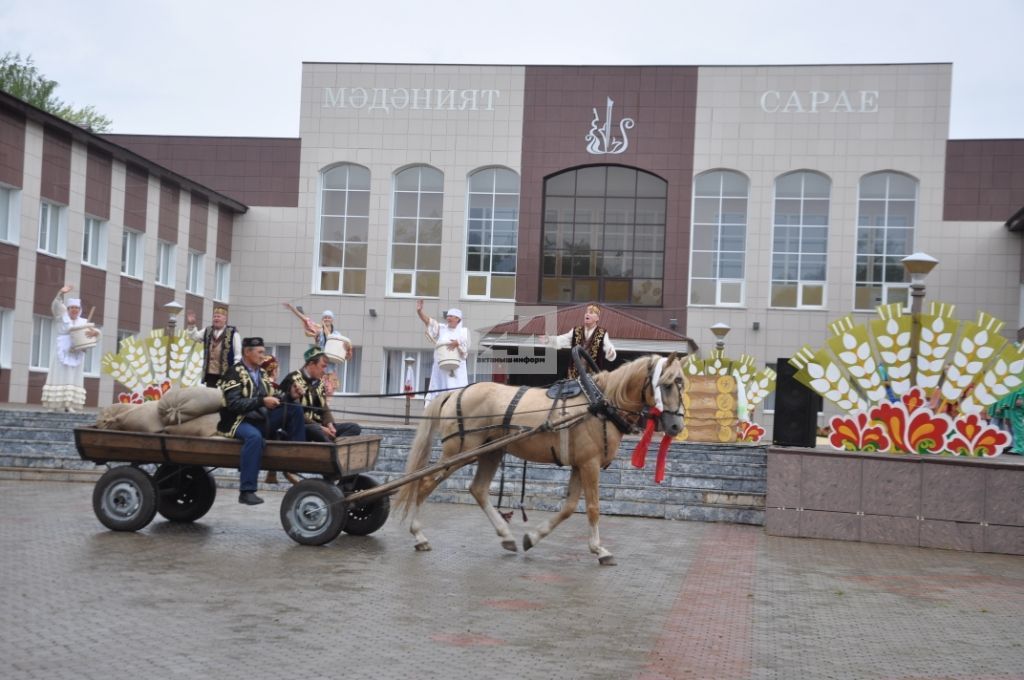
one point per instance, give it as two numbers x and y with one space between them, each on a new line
231 596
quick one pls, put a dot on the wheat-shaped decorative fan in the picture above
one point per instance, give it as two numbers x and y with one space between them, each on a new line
149 366
925 399
721 395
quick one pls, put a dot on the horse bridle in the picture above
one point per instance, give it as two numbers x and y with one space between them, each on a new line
654 382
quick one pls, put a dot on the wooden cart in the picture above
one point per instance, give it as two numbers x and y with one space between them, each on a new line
171 475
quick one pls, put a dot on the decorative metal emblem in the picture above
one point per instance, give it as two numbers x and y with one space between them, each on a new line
600 139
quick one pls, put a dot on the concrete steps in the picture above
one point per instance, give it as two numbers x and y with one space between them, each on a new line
705 482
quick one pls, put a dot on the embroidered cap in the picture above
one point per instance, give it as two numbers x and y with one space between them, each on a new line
252 342
313 354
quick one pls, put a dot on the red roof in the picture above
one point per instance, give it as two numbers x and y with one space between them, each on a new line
619 324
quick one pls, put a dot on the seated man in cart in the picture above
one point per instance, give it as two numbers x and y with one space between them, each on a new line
308 382
252 411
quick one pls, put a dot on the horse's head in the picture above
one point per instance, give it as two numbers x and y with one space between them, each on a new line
666 380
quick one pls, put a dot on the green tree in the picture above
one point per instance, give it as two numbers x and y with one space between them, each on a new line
20 77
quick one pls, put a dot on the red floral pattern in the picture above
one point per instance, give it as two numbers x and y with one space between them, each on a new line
150 393
749 432
856 433
974 437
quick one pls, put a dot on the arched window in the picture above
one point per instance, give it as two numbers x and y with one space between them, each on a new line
604 236
886 215
491 234
415 263
800 239
717 255
344 228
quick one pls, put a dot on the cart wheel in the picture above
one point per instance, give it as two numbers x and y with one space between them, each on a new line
365 518
312 512
184 492
124 499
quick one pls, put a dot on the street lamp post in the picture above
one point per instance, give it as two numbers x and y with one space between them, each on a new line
720 330
917 265
173 310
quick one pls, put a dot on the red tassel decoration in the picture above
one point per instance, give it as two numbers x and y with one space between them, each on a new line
659 470
640 452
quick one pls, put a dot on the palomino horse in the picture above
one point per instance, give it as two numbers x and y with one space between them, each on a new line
480 413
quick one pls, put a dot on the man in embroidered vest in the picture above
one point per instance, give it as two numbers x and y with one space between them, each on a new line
251 412
222 344
593 338
308 383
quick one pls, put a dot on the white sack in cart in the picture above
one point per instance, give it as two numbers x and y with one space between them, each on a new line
182 404
203 426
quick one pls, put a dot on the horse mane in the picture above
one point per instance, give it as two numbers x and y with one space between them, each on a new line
618 384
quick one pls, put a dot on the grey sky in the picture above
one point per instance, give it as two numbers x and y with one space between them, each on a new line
231 67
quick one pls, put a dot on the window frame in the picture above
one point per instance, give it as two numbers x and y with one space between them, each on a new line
487 249
133 241
802 228
222 281
416 273
166 263
6 337
319 271
53 228
10 215
720 282
42 347
195 278
94 242
887 260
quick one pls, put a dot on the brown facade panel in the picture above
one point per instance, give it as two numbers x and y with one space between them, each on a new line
167 220
92 392
35 387
5 384
129 308
136 190
225 227
12 148
93 293
559 106
50 278
984 180
98 183
8 275
199 217
252 170
194 304
56 172
161 296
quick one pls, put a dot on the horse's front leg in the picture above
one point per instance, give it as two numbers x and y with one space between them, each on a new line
426 487
480 489
572 496
590 476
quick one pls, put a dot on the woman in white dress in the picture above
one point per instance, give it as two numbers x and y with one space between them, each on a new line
64 389
453 336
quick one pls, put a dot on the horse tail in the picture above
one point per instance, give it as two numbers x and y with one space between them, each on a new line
419 453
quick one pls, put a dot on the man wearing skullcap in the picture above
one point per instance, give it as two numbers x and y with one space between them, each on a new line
252 411
222 344
64 389
453 336
308 382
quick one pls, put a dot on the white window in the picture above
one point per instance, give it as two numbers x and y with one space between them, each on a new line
396 370
800 240
283 354
344 230
222 281
131 254
165 264
53 229
348 373
491 234
719 237
194 284
42 341
886 215
91 360
10 210
6 336
94 243
415 258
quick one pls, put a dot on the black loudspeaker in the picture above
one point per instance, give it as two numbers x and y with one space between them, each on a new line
796 409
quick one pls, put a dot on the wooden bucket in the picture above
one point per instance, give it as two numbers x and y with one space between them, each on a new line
447 359
80 341
335 350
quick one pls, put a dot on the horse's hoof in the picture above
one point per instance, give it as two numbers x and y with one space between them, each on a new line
510 545
607 561
527 542
422 547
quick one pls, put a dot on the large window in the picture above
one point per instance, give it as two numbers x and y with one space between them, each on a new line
94 243
9 212
348 373
344 230
717 255
491 234
222 281
416 233
42 341
800 240
886 215
52 229
604 236
6 336
196 271
165 264
131 254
